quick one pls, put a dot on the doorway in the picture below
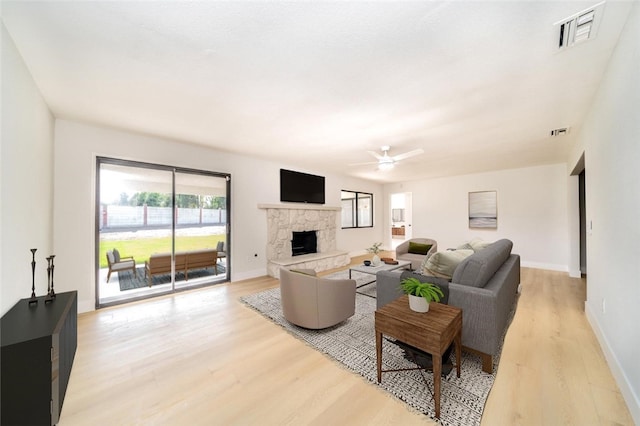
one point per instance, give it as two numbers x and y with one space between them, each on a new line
582 185
401 218
580 171
159 229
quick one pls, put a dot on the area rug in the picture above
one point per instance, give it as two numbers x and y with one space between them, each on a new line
352 343
128 281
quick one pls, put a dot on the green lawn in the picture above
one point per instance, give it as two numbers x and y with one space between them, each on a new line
142 248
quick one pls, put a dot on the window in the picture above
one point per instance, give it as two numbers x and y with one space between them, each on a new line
357 209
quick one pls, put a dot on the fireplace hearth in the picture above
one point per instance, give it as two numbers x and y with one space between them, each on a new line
304 242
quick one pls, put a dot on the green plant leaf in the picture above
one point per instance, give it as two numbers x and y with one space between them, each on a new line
429 291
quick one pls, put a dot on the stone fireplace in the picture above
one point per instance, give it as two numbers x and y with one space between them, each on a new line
283 220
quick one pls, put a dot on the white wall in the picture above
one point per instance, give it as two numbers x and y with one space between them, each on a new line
610 140
253 182
532 211
25 180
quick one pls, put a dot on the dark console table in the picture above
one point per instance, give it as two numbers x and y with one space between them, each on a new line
38 346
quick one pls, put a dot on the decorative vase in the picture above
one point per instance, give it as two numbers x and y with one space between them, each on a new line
375 260
418 304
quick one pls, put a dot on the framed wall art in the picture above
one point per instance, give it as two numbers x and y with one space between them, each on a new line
483 209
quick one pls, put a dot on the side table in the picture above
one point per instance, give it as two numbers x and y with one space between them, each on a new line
431 332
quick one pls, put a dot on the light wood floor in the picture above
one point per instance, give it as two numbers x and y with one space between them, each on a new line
203 358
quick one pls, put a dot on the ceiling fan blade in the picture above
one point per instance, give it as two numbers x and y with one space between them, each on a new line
368 163
375 155
408 154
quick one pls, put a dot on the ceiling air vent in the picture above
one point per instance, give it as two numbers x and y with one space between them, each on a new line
579 27
560 132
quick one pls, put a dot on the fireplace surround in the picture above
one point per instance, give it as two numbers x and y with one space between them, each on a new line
284 219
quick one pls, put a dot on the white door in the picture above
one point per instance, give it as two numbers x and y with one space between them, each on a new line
408 216
401 217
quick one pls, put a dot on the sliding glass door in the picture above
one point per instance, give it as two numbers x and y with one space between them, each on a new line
201 227
159 229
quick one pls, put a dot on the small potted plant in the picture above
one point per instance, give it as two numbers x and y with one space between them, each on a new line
375 249
420 294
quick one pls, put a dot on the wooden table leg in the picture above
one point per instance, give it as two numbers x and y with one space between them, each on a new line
437 379
458 344
379 354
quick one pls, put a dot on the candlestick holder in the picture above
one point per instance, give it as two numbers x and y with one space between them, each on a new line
33 299
51 293
49 299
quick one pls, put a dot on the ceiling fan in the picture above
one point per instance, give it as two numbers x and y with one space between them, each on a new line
386 161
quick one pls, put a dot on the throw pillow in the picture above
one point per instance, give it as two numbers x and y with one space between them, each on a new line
423 264
465 246
418 248
478 244
116 255
443 263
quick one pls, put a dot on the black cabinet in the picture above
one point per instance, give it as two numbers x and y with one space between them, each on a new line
38 346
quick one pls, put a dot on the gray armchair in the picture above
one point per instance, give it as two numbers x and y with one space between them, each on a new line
312 302
402 251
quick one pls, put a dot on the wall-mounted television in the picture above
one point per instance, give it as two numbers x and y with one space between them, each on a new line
297 187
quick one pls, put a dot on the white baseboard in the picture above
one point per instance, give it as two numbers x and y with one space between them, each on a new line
86 307
255 273
631 399
548 266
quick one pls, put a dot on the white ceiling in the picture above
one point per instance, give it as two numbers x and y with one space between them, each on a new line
477 85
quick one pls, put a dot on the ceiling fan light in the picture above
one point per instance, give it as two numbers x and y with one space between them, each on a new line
385 166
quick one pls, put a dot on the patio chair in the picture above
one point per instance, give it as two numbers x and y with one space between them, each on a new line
220 250
117 263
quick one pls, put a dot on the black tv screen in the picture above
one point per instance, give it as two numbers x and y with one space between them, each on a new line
297 187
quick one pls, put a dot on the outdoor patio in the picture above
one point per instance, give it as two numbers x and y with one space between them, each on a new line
111 291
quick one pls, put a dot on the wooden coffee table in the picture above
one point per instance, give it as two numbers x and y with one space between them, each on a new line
431 332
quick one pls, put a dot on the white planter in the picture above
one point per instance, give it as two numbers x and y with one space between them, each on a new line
375 260
418 304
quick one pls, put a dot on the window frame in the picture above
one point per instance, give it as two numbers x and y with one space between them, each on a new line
355 203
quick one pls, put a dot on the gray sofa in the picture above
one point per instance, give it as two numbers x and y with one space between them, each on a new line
484 285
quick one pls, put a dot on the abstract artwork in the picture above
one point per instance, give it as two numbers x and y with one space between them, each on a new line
483 209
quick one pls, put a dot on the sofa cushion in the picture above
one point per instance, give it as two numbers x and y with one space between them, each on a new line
477 270
116 255
444 263
418 248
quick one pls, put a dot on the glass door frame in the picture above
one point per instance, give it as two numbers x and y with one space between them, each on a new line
173 170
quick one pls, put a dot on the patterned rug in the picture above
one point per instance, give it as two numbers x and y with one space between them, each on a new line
128 281
352 343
